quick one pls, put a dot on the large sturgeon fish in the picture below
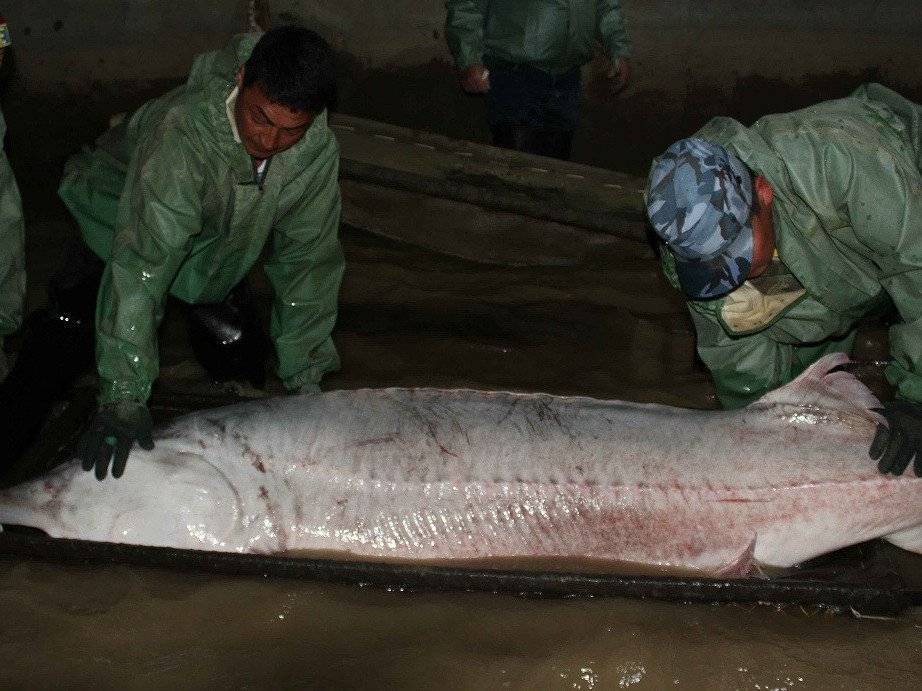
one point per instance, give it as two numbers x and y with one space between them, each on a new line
461 476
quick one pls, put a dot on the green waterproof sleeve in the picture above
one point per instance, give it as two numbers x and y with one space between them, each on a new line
305 267
464 28
159 212
12 250
612 29
904 371
744 368
883 196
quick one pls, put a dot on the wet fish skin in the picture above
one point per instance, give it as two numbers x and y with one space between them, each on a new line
461 475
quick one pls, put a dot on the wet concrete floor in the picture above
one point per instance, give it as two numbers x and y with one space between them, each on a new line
116 627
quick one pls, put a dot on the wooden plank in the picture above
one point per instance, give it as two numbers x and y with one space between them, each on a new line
478 234
498 179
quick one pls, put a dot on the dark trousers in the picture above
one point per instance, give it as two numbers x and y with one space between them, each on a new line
228 338
533 111
58 346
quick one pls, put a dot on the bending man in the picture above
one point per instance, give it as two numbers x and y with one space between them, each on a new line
785 234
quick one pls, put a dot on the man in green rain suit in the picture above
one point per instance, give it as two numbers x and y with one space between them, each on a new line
526 55
180 200
12 239
785 234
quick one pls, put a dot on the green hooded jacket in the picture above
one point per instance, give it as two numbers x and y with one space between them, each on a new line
12 247
169 200
552 35
848 230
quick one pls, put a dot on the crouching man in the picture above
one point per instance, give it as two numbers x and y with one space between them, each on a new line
181 198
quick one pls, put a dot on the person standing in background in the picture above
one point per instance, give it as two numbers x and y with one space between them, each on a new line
12 237
526 55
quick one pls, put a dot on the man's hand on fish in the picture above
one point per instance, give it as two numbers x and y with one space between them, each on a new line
900 440
620 74
475 79
111 434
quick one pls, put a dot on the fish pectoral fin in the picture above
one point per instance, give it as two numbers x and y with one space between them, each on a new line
743 566
821 385
909 539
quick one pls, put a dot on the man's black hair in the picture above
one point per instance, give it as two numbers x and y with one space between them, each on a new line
294 67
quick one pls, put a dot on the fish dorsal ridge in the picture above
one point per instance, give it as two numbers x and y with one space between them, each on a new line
821 388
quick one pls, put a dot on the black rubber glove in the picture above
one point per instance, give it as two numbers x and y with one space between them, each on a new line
899 443
112 433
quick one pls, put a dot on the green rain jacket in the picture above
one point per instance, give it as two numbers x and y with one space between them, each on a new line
848 230
168 199
12 247
552 35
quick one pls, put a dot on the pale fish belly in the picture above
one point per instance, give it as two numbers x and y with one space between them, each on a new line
419 475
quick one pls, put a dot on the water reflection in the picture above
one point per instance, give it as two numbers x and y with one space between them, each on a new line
143 628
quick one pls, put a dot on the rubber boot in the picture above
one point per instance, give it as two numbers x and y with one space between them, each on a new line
503 136
553 142
228 339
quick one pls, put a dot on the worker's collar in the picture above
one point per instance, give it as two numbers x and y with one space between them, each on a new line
247 173
231 105
760 302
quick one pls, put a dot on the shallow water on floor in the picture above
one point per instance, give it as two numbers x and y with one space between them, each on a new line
120 627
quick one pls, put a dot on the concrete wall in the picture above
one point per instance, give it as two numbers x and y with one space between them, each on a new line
693 58
68 45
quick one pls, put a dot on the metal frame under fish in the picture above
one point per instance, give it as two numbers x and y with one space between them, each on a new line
864 580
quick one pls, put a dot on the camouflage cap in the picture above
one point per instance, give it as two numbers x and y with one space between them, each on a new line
699 199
